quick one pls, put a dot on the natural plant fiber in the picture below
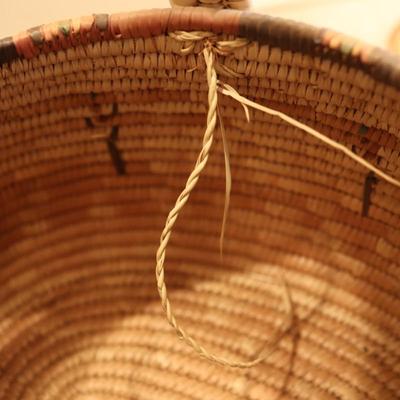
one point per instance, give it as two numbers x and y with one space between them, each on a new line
102 120
199 167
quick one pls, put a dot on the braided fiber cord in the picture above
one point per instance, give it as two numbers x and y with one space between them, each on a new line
173 216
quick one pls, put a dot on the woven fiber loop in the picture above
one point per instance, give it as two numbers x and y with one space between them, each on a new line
234 4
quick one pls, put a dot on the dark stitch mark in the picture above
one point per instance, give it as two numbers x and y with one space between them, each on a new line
115 154
111 139
115 109
369 184
114 133
363 130
89 122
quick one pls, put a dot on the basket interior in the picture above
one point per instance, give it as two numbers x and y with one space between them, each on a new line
80 316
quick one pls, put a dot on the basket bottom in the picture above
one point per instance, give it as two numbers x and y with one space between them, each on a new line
91 327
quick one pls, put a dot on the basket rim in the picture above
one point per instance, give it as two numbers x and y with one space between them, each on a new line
380 64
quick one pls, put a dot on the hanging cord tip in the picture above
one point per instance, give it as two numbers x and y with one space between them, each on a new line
228 183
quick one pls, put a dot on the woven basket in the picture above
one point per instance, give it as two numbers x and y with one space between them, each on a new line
101 121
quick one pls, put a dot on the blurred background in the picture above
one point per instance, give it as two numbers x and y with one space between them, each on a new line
370 20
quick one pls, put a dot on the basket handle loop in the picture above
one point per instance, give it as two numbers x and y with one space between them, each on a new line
182 199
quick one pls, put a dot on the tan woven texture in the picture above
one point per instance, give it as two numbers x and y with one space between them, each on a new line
80 316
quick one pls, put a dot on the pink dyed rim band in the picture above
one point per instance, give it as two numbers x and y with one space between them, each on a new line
287 35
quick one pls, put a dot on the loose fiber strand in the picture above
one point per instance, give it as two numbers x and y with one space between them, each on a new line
228 90
228 182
